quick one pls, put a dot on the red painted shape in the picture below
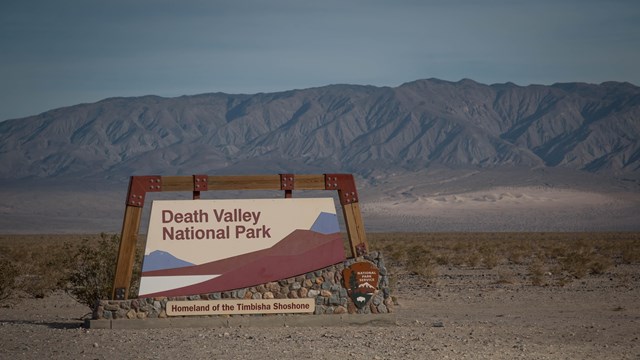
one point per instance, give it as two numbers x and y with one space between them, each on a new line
301 252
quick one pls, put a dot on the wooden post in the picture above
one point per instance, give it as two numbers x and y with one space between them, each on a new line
138 188
355 229
127 252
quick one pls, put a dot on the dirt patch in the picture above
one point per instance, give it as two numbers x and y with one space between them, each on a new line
472 313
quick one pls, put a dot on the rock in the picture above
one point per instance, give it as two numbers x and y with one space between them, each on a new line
377 300
141 315
373 308
340 310
351 308
334 299
268 295
111 307
329 276
273 287
98 313
120 314
303 292
382 309
343 292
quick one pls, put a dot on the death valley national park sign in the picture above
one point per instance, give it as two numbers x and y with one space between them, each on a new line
204 246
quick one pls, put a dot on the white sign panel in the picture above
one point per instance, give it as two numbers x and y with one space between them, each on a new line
201 246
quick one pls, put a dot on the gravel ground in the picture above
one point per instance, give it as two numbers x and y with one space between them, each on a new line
463 314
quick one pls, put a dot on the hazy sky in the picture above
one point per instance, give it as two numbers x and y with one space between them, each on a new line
65 52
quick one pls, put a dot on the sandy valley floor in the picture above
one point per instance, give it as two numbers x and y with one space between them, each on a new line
504 209
462 314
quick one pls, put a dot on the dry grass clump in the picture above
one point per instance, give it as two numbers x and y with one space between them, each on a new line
537 272
82 265
8 274
631 252
40 260
550 258
420 261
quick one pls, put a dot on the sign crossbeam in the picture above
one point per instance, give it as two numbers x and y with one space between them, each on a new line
344 184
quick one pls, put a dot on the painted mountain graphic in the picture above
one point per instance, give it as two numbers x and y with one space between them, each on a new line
326 223
158 260
366 285
299 252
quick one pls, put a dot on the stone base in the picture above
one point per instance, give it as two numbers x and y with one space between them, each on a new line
326 286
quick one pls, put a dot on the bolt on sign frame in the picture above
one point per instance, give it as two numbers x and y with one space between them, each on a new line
344 184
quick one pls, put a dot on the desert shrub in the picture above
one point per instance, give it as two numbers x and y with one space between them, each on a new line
576 263
631 252
8 274
443 259
41 268
92 270
536 269
473 259
505 277
518 252
600 264
421 262
490 257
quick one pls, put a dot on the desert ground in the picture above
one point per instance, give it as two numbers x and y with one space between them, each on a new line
504 208
464 296
434 200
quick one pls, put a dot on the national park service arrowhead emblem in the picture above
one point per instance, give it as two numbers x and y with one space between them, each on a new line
361 280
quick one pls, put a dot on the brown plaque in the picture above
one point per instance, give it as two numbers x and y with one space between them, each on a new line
361 280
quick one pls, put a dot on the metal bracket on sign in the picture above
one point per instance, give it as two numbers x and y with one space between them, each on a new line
120 293
139 186
344 184
200 183
287 184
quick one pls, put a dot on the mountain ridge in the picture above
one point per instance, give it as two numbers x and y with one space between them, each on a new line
357 128
66 170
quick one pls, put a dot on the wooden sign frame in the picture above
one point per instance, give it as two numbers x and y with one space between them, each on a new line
344 184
